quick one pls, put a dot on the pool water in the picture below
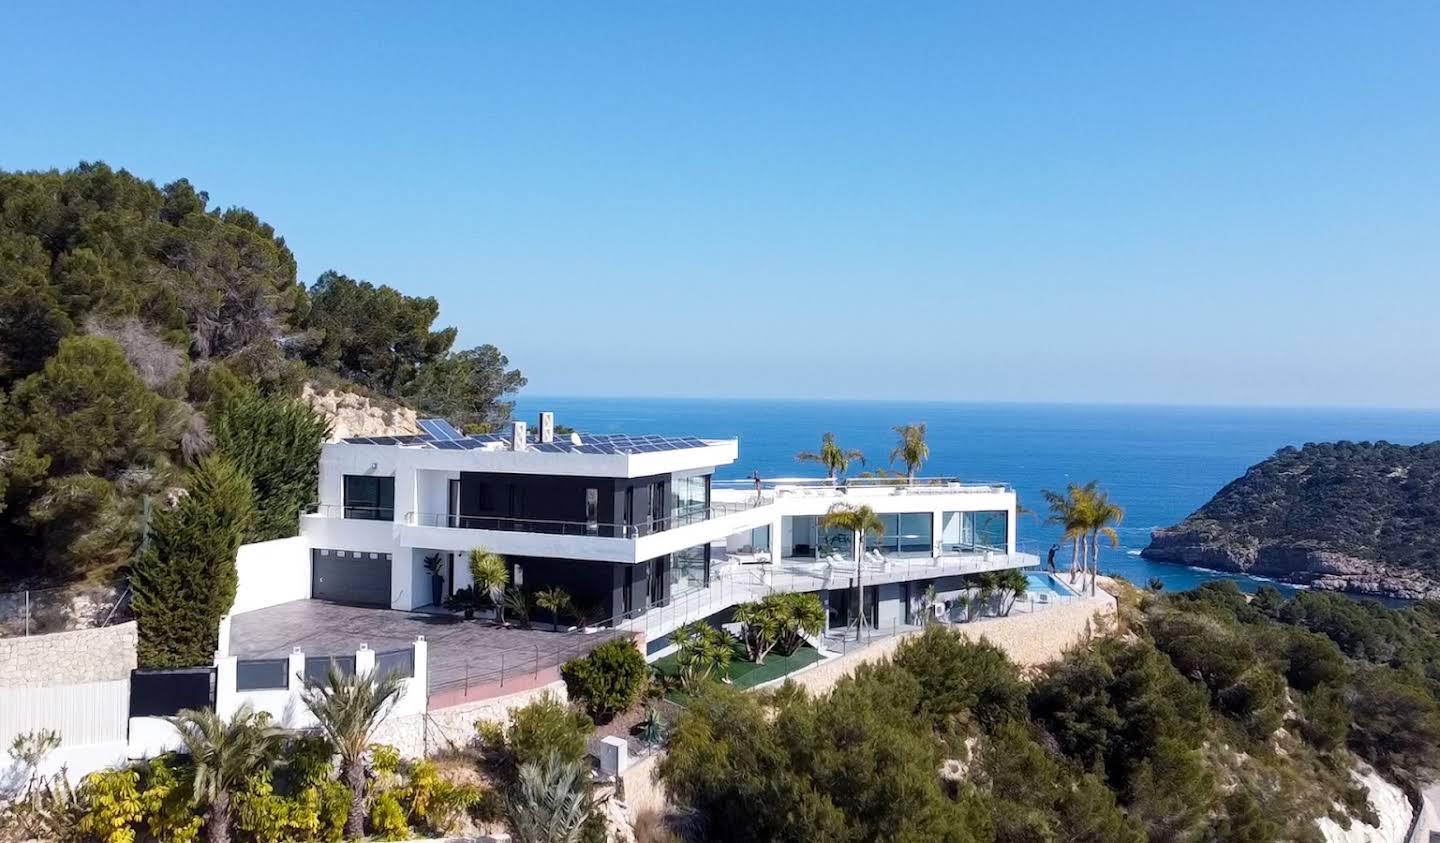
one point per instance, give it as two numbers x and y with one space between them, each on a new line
1040 582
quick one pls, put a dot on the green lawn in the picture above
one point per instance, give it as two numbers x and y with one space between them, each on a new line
744 673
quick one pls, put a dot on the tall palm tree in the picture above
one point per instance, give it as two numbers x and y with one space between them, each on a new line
912 449
832 456
491 575
224 755
860 521
1069 512
1103 516
349 708
550 801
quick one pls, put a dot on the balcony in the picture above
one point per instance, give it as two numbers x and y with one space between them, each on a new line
604 529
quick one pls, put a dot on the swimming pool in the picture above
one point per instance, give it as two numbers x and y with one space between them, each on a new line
1044 583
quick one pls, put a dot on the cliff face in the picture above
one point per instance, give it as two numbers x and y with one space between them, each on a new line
351 414
1361 517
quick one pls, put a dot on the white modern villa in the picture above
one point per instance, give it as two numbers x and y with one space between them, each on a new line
632 525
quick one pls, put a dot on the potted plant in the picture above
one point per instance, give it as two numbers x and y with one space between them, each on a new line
465 600
433 566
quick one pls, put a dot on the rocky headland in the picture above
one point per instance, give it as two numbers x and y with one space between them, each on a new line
1345 516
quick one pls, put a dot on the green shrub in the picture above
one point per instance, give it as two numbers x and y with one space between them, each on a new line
261 814
608 680
111 806
387 817
548 725
436 802
957 675
167 803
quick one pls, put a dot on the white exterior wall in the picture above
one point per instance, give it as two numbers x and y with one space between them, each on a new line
152 736
272 573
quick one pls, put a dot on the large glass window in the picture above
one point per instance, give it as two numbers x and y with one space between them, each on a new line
689 569
370 498
689 498
916 529
992 530
972 531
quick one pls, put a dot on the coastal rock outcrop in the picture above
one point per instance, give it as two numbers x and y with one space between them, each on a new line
1356 517
351 414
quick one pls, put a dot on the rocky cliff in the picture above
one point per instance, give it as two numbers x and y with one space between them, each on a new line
1345 516
351 414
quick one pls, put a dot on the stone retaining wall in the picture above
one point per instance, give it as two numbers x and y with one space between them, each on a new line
69 658
453 727
1029 639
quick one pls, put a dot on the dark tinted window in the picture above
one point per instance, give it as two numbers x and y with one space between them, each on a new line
370 498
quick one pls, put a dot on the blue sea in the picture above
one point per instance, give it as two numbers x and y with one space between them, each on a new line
1160 463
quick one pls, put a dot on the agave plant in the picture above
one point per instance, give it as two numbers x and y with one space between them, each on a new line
549 802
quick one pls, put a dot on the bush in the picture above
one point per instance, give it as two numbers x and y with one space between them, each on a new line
387 817
548 725
111 807
608 680
957 676
435 801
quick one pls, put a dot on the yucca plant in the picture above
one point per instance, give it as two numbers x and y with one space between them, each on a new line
349 708
491 575
224 754
832 456
550 801
517 603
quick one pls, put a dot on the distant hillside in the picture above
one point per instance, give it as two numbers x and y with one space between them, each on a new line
1345 516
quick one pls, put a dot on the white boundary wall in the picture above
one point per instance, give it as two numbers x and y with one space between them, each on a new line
151 736
271 573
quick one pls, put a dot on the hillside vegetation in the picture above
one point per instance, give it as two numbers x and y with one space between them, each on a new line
1353 516
141 329
1211 719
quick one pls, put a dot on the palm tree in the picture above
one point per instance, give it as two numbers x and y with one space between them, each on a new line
550 801
553 600
913 450
491 575
349 708
1102 516
859 520
224 755
832 456
1069 512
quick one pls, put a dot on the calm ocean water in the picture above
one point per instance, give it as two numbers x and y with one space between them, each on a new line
1160 463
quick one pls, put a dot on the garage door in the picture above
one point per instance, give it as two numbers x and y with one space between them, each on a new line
350 577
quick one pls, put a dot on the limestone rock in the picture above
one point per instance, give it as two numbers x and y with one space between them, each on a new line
351 414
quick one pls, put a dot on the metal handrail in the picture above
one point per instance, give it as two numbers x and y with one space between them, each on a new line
610 529
947 483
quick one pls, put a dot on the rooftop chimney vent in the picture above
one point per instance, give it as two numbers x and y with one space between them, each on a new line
517 436
547 427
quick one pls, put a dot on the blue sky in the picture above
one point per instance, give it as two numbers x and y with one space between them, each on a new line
1217 203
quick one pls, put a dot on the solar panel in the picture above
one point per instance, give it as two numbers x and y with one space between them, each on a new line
359 440
440 429
472 444
449 446
383 440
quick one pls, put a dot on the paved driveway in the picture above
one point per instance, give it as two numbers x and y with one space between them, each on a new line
461 652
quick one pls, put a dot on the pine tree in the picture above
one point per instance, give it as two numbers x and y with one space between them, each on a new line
185 581
276 441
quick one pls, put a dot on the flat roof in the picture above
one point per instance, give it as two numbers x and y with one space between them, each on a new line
563 443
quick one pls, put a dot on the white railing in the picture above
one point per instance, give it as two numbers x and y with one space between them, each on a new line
731 585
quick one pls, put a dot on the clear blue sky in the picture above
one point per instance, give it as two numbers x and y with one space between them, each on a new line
1214 203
